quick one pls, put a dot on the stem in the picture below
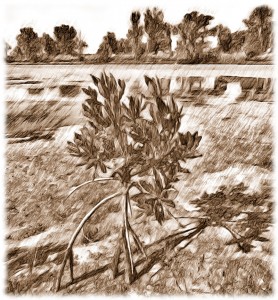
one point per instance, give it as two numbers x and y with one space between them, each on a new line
88 182
169 212
75 234
189 242
126 231
231 232
137 241
116 257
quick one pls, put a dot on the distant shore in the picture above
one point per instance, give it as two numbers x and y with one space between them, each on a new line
137 63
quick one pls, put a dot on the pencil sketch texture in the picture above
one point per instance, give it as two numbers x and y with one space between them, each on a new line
145 166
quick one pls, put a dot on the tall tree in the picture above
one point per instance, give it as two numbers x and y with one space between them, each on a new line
238 40
135 35
259 37
112 41
66 38
105 51
193 33
110 38
49 45
29 44
224 37
159 32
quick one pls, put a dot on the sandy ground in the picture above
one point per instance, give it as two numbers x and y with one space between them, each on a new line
39 175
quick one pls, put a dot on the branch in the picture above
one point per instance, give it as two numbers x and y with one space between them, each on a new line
137 240
126 234
88 182
75 234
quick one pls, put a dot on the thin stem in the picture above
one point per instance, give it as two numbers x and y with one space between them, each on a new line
189 242
126 230
89 214
116 257
169 212
199 218
232 233
71 265
176 234
137 241
88 182
78 229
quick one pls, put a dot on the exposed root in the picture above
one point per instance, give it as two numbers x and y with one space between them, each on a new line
69 254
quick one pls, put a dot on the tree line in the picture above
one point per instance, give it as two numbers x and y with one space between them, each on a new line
30 47
193 44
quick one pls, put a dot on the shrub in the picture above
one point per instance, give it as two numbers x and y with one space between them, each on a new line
148 153
138 144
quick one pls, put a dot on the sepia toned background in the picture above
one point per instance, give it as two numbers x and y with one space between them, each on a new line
94 19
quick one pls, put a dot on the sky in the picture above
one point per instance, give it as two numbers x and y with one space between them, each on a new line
95 17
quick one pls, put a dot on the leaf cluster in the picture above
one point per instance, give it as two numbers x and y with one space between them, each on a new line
247 217
138 140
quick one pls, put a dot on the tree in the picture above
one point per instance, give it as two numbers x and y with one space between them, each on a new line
110 38
159 32
238 40
105 51
135 34
29 44
49 45
193 32
144 156
224 37
112 42
66 38
259 37
149 164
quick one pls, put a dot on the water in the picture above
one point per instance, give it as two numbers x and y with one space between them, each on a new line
49 78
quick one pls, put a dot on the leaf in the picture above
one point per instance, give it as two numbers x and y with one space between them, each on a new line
86 91
171 194
77 136
158 179
190 140
147 80
86 108
159 86
146 186
159 212
139 197
85 131
102 166
95 80
151 81
91 163
168 202
262 239
71 145
162 107
197 140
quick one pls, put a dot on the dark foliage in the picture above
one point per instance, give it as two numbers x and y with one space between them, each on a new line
158 30
247 217
259 36
28 45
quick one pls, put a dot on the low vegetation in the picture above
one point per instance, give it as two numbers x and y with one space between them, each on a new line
137 144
